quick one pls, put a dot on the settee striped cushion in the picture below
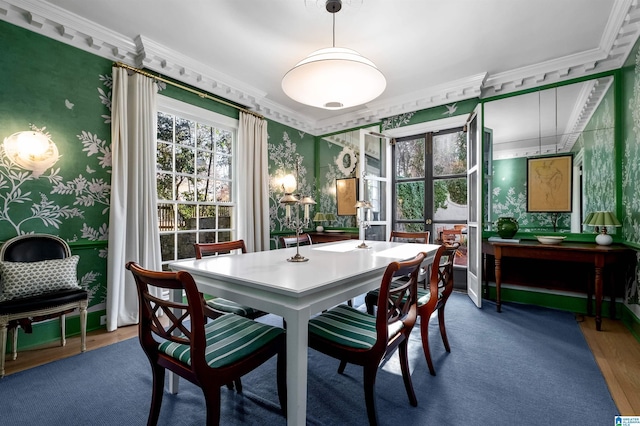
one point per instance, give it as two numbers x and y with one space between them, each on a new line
229 338
348 326
224 305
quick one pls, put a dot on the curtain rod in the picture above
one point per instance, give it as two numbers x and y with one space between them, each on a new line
188 89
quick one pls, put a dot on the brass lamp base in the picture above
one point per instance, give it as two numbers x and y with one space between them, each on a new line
297 258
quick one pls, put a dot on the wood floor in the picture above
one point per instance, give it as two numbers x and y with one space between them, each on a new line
615 349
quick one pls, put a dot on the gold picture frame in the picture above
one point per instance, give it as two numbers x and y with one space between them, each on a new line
549 184
346 196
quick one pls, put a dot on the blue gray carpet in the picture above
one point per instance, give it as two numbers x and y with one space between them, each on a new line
525 366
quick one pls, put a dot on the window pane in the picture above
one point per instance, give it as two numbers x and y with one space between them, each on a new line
224 236
450 199
225 217
223 139
185 245
410 158
185 159
223 193
410 200
166 217
207 217
204 163
164 157
449 154
205 137
223 167
167 247
165 186
165 127
207 237
206 190
184 132
187 214
185 188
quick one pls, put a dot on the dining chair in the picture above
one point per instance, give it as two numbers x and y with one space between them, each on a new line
38 281
356 337
217 304
175 337
440 283
291 241
413 237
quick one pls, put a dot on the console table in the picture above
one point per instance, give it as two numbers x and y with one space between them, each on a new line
591 253
329 237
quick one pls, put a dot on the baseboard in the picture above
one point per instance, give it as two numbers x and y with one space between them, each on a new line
49 331
631 321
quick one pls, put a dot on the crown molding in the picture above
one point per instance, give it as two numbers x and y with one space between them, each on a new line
621 32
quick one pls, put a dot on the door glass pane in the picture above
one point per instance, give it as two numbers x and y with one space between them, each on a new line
410 200
449 154
450 199
473 199
409 158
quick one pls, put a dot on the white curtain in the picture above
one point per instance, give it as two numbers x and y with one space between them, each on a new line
253 183
133 217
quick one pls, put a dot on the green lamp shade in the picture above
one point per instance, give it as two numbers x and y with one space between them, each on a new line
602 219
320 217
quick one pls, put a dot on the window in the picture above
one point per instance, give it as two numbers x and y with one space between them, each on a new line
196 178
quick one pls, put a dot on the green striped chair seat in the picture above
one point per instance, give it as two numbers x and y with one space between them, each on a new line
223 305
349 327
229 339
424 295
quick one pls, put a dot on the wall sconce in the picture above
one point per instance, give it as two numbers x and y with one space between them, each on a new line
31 150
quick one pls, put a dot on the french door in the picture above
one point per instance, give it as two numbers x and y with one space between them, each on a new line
474 220
375 154
430 186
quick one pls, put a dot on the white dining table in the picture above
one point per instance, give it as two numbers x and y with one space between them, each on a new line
334 273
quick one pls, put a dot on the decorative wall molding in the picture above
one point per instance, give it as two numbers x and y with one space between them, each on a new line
51 21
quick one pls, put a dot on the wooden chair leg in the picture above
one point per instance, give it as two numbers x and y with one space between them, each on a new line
406 373
212 400
443 330
238 384
369 393
343 365
156 394
424 334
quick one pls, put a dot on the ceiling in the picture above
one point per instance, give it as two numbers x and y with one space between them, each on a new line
431 52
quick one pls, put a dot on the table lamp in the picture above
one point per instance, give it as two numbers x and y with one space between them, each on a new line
601 220
319 218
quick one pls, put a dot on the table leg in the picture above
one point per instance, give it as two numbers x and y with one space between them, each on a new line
498 283
297 341
598 291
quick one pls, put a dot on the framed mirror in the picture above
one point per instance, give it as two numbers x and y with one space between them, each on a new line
575 120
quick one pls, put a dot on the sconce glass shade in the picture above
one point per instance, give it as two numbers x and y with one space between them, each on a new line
31 150
602 220
289 199
334 78
289 184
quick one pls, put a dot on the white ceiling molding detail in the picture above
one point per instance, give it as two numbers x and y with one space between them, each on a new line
51 21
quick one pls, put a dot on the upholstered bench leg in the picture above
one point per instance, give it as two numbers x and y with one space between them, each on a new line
3 342
83 326
63 330
14 343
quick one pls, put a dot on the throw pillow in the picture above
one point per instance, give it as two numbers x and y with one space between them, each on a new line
24 279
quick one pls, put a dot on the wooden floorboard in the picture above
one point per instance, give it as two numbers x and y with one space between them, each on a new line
615 350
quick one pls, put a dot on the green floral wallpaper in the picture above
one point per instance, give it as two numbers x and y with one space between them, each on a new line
631 167
65 93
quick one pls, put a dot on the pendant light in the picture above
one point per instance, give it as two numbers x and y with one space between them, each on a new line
334 77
